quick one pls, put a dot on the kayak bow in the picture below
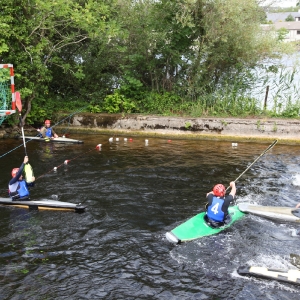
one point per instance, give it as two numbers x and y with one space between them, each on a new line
272 212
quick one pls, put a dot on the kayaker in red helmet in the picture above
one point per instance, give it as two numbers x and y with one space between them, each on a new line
48 132
18 187
217 206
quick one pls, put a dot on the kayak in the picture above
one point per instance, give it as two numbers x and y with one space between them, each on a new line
272 212
196 227
55 140
43 204
291 276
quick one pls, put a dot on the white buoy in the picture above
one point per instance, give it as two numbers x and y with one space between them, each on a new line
63 136
99 146
146 142
125 139
234 144
117 139
110 139
55 169
66 162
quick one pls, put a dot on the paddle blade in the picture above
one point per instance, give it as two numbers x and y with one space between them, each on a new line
28 173
18 101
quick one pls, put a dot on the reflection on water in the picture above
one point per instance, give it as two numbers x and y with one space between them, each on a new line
135 192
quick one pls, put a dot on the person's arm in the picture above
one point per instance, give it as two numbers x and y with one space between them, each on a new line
298 205
233 189
209 197
54 134
211 192
43 132
19 173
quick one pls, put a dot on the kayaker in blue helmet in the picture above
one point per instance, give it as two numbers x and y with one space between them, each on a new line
18 187
47 131
217 205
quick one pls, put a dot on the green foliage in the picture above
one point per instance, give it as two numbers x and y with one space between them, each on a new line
282 33
163 57
117 103
187 125
131 87
45 41
290 18
52 108
94 108
163 104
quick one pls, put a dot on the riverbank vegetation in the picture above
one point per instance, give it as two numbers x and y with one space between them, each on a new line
169 57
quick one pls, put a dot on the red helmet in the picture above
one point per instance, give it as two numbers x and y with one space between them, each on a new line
14 172
219 190
47 122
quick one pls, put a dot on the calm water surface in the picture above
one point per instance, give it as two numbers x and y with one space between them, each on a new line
134 194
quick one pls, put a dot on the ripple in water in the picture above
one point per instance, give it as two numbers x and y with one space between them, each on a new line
134 194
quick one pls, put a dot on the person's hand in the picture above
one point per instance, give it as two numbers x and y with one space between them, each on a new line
232 184
32 179
25 159
298 205
55 135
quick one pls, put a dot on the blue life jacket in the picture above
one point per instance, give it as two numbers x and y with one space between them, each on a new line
49 132
214 211
21 192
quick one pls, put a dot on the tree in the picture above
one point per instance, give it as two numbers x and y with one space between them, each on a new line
290 18
43 38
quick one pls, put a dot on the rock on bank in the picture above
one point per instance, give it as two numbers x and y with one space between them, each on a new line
286 130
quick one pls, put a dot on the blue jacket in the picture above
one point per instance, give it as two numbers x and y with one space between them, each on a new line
214 211
19 188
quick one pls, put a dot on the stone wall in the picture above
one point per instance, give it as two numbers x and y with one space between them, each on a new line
217 127
286 130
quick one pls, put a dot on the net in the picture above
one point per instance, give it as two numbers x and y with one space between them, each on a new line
7 101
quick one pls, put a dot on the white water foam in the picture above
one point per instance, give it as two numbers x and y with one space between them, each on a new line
296 179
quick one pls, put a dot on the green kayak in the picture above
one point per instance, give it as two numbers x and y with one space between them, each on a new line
196 227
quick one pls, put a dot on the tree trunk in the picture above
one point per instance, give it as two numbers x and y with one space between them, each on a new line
28 108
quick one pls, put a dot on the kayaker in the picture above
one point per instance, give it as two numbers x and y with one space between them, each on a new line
18 187
47 132
217 206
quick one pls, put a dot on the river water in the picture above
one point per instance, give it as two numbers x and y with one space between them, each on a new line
134 193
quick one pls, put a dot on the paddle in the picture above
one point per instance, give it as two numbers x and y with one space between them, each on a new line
19 106
270 147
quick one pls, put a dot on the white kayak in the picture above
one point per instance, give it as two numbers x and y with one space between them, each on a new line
272 212
290 276
54 140
43 204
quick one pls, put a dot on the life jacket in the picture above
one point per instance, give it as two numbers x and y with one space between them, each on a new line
21 190
214 211
48 132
